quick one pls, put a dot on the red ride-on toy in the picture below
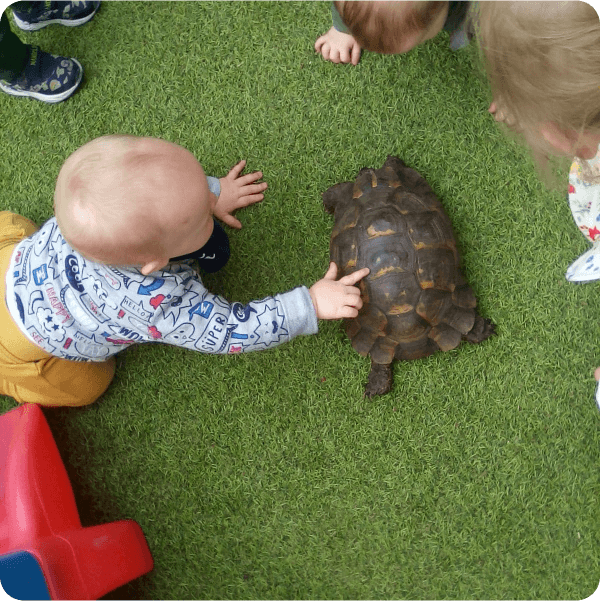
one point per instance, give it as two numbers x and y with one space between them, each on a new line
45 553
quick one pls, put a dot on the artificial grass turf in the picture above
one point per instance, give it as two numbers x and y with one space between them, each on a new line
269 475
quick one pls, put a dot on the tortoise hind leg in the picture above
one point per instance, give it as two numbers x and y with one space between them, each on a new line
481 330
380 379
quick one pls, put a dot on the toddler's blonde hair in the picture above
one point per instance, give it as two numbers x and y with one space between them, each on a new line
107 201
542 60
378 27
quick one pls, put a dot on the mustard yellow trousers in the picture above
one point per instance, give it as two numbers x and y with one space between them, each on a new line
27 373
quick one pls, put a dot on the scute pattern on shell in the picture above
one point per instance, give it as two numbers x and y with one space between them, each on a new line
416 300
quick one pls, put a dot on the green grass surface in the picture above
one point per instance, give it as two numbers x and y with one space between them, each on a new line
268 476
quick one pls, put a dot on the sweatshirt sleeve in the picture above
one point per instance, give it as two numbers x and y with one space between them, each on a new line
337 20
214 185
208 323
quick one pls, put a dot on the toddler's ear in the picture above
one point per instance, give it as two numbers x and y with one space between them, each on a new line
155 265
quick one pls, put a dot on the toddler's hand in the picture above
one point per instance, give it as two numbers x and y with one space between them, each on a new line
500 114
338 47
238 192
334 300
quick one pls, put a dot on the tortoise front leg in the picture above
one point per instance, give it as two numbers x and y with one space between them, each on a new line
380 379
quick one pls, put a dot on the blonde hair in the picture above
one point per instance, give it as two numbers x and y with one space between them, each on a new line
108 196
542 61
378 27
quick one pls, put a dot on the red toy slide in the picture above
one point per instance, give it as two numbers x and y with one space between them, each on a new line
39 522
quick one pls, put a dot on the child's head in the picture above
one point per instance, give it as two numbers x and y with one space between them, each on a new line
392 27
124 200
542 62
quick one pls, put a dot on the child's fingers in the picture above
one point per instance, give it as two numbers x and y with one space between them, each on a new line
354 277
500 115
331 272
250 178
351 299
354 299
249 190
348 312
355 54
244 201
231 221
237 169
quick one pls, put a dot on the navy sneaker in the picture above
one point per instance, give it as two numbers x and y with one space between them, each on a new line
47 77
41 14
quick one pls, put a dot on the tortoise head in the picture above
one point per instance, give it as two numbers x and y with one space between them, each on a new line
337 196
341 195
388 176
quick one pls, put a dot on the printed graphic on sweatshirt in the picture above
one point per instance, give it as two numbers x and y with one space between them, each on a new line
86 311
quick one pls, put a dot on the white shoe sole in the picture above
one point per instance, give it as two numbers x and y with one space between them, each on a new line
25 26
45 97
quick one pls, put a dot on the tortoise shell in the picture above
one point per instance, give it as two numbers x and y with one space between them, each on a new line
416 300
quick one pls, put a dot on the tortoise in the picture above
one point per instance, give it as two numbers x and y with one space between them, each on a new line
416 299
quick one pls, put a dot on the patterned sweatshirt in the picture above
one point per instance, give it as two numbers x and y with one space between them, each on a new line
85 311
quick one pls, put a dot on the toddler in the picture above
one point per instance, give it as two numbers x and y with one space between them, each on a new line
110 269
541 60
390 27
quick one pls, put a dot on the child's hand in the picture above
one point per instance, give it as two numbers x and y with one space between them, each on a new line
502 116
238 192
334 300
338 47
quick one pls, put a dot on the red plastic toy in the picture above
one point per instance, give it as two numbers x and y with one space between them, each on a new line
38 515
